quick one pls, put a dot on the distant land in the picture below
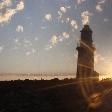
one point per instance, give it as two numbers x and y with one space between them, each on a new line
35 76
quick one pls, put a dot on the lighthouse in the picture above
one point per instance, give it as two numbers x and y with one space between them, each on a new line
86 49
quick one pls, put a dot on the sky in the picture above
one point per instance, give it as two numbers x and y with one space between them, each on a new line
41 35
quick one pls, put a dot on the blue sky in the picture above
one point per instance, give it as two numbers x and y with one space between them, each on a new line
41 35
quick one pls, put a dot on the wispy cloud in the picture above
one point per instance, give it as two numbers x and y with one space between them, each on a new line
1 49
27 43
28 53
80 1
19 28
32 52
106 19
16 41
36 39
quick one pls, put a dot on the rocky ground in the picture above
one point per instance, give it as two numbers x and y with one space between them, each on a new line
54 96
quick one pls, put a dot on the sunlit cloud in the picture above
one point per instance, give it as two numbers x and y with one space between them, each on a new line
7 15
6 12
5 3
105 62
76 55
48 17
98 58
85 17
99 5
19 28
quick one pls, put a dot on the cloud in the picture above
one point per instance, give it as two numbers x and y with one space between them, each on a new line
5 3
1 49
17 43
60 14
48 17
85 17
99 5
99 8
103 63
28 53
43 27
33 51
65 35
6 12
63 9
74 24
98 57
6 17
48 47
102 1
54 40
27 43
67 20
16 40
36 39
106 19
20 6
80 1
19 28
